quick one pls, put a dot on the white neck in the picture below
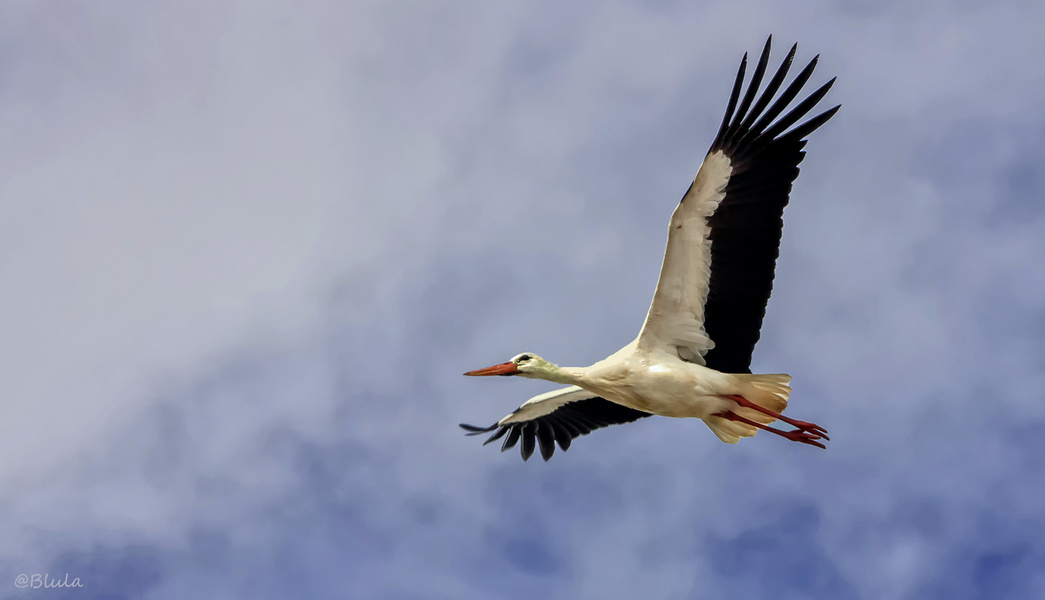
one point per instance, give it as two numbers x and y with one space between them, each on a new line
557 374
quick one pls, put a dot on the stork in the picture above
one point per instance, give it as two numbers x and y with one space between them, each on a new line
692 356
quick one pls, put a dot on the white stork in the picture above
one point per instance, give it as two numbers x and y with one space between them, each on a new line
692 357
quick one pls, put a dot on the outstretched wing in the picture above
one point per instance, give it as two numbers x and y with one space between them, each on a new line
557 416
724 236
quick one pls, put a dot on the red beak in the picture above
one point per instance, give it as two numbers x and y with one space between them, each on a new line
507 368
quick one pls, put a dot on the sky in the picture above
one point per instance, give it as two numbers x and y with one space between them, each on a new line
247 248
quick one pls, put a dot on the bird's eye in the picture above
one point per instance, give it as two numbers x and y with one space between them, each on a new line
524 358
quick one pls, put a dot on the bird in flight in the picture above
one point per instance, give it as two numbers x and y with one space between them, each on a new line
692 357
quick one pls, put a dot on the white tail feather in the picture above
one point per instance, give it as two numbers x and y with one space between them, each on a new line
728 431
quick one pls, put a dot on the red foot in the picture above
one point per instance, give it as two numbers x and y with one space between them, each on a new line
806 426
804 437
797 435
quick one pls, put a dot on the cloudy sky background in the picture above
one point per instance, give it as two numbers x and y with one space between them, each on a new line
246 250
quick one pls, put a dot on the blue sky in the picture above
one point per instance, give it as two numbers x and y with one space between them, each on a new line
248 248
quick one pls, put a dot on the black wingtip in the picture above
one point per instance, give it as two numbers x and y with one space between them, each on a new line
812 65
813 124
529 440
512 439
475 430
574 419
497 434
546 440
734 96
752 90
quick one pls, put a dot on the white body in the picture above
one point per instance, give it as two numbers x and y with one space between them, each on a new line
656 382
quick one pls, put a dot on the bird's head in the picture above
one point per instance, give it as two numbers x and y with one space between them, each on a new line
526 364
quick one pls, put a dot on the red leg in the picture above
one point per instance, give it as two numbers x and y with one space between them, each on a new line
801 425
798 435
